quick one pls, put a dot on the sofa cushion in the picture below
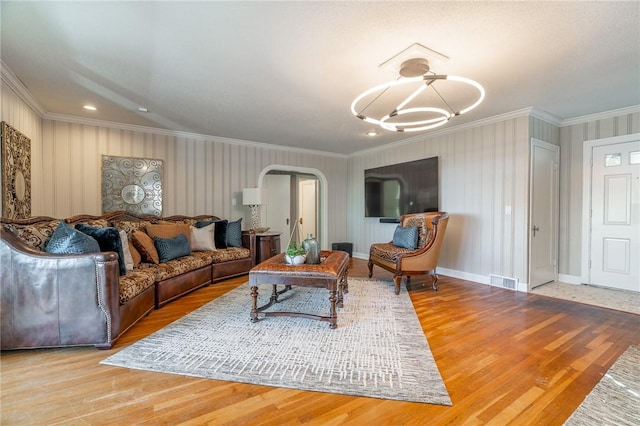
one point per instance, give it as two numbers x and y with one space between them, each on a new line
109 240
234 233
135 254
172 248
387 251
135 282
66 240
35 235
202 239
128 257
220 232
129 226
145 246
168 230
175 267
406 237
232 253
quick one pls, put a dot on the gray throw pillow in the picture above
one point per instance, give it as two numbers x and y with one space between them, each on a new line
234 233
406 237
66 240
172 248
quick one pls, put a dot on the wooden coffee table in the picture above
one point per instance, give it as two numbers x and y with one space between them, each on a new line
331 273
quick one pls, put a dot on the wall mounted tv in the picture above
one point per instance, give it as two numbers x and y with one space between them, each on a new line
391 191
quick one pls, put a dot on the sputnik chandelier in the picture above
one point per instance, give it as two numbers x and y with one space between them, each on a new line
418 100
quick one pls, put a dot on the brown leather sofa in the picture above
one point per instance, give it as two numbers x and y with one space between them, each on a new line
79 300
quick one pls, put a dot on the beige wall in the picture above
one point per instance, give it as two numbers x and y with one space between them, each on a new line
482 170
572 138
201 174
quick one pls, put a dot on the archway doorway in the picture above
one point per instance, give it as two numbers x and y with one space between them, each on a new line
292 190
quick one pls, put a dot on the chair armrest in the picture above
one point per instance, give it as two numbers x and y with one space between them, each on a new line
57 300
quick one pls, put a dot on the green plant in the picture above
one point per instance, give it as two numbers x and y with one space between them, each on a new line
294 249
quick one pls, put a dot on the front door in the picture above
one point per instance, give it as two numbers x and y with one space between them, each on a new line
277 211
307 196
614 244
543 233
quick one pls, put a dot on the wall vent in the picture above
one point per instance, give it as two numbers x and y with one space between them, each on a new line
503 282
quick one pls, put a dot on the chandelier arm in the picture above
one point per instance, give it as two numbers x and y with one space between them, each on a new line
376 98
443 100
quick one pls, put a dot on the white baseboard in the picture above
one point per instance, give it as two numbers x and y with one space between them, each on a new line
569 279
461 275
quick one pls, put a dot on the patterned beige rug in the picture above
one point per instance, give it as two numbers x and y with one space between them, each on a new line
378 350
615 400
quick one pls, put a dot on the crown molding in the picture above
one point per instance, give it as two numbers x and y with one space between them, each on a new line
185 135
524 112
601 116
547 117
14 83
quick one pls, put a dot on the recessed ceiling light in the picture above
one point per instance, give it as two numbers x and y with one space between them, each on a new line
90 107
143 109
372 133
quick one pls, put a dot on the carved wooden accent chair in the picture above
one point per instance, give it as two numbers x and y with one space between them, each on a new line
419 258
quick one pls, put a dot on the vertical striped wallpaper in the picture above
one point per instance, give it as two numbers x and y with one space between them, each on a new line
482 170
201 175
572 138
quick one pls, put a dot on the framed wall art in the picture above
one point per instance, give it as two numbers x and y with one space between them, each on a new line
132 184
16 173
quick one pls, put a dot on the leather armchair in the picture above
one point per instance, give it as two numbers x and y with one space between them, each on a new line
406 262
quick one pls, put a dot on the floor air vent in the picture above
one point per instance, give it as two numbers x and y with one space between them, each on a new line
504 282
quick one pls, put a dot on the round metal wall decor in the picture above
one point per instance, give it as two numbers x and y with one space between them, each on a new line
132 184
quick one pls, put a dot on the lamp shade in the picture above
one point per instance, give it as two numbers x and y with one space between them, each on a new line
253 196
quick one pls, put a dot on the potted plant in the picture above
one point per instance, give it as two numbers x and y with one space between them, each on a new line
296 254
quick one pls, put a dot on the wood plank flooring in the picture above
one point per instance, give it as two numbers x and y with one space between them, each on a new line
505 357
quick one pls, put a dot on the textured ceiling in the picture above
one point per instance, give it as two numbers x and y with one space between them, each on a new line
286 72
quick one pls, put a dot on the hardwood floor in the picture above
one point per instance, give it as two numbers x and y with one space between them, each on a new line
505 357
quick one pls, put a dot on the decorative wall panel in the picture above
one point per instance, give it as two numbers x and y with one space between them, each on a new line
132 184
16 173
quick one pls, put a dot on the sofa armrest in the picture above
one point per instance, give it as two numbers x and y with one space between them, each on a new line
249 242
56 300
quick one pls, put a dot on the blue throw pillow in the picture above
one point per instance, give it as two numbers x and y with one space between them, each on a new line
219 233
234 233
108 239
66 240
406 237
172 248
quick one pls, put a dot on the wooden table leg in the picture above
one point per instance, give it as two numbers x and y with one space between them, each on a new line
254 304
333 315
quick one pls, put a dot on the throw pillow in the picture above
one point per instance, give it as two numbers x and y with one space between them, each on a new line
66 240
220 234
108 239
406 237
168 230
128 258
202 239
135 254
234 233
145 246
172 248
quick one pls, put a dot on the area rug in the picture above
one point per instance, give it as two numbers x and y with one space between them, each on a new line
615 400
378 350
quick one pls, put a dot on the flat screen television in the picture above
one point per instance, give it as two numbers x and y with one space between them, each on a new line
397 189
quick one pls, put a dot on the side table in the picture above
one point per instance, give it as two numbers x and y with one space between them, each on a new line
267 246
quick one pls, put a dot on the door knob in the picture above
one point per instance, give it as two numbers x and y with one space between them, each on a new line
535 229
287 221
300 221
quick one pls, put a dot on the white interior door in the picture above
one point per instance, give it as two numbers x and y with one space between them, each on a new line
307 196
543 240
614 244
277 209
